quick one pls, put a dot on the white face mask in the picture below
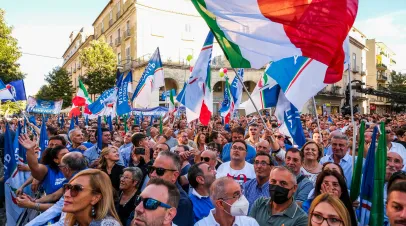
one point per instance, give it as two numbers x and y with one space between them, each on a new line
239 207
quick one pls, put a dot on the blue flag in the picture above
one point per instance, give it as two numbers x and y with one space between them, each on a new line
367 183
137 120
123 106
77 120
4 92
119 77
236 88
101 105
72 123
17 89
99 134
329 119
87 120
109 122
10 162
43 137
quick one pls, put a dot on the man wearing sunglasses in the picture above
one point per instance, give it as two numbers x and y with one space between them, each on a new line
167 167
210 158
200 177
230 205
157 204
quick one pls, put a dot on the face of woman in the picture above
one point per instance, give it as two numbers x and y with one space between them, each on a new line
126 181
324 210
202 139
311 152
113 155
83 200
60 155
332 183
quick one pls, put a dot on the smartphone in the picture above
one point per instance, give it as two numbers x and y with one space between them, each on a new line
139 151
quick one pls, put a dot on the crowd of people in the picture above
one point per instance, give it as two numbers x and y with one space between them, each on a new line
179 173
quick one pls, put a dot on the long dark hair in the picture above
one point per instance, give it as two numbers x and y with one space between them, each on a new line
345 197
50 154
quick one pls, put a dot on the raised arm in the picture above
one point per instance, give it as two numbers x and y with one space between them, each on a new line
38 171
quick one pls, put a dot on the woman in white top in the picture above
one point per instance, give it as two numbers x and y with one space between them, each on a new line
312 154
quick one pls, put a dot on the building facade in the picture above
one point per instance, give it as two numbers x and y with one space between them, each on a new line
380 63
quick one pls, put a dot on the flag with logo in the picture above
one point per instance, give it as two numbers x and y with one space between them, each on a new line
17 89
12 176
197 95
227 106
236 88
43 137
253 33
123 106
105 104
152 79
265 95
4 92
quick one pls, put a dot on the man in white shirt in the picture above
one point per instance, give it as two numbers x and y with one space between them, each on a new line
230 205
240 170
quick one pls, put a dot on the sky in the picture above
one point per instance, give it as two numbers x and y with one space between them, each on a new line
43 27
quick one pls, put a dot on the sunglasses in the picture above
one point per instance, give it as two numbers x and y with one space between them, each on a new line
204 159
75 189
150 203
159 171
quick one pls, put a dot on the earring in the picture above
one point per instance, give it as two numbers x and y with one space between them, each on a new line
93 212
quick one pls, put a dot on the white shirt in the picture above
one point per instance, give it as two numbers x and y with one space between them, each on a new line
239 221
240 176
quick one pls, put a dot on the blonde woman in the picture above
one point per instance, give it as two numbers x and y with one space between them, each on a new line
311 167
109 157
327 207
89 200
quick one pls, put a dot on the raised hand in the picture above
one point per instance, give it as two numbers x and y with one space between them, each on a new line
26 142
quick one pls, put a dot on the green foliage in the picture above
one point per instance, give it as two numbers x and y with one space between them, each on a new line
9 53
59 86
398 83
101 64
10 108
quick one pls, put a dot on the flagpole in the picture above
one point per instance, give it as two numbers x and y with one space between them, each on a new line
315 112
249 95
354 129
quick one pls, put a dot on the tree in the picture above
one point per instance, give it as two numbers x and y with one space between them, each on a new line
398 82
10 108
58 87
9 53
101 64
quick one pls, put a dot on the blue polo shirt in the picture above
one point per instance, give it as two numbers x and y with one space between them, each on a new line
201 205
251 152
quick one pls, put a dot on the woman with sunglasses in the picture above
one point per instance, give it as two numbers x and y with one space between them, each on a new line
109 157
330 181
327 207
89 200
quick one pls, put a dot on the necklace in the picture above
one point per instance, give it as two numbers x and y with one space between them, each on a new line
309 169
121 195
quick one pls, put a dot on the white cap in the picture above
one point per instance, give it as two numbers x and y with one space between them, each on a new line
399 151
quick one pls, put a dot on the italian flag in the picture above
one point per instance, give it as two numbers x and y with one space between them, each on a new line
254 32
81 99
172 108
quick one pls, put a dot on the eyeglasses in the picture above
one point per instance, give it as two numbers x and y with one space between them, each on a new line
235 147
318 219
150 203
75 189
159 171
125 178
204 159
235 196
61 166
261 163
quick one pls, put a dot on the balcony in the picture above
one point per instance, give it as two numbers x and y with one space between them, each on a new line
382 67
74 70
382 78
111 22
334 91
79 66
355 69
118 41
127 34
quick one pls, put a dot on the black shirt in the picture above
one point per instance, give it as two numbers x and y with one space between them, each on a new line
124 211
116 172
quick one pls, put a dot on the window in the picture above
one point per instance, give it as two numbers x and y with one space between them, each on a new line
111 15
127 53
354 60
118 58
111 39
128 25
102 27
119 33
118 8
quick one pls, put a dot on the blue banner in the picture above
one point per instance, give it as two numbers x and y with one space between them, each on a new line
43 106
156 111
100 106
122 95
